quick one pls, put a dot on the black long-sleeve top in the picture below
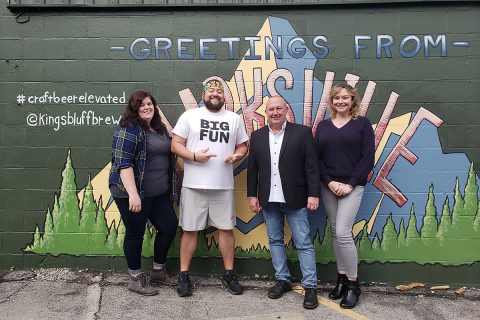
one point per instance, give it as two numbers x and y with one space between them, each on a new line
345 154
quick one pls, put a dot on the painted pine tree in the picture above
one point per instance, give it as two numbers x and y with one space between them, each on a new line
476 223
471 194
213 248
430 223
325 253
455 237
69 213
111 243
463 222
376 243
413 236
445 227
428 248
258 251
89 210
321 247
101 222
458 207
37 245
389 242
49 242
120 234
98 230
401 239
364 246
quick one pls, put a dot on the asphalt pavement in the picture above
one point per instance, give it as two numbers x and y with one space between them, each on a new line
83 294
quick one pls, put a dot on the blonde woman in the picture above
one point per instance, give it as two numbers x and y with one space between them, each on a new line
346 150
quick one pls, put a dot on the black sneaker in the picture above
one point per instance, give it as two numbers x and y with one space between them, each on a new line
230 281
279 288
184 285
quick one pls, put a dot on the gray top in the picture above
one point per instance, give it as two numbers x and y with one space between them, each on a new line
155 181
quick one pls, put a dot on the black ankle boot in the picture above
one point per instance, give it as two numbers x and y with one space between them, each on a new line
341 287
351 297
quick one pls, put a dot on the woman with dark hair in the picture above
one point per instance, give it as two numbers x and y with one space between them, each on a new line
142 183
346 151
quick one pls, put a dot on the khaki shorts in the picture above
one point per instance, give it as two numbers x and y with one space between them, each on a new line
201 206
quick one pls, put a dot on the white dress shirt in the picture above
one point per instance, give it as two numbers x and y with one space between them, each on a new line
275 141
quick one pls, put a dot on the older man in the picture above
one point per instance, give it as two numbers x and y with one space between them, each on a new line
209 140
284 181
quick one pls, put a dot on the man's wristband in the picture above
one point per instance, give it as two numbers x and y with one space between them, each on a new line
194 159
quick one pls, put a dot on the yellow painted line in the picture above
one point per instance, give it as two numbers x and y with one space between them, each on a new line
358 227
333 305
371 222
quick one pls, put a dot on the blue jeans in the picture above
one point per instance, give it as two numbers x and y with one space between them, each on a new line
274 215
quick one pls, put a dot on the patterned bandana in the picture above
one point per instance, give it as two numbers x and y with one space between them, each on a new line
212 83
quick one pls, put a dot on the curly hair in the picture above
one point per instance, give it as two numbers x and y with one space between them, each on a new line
130 116
355 110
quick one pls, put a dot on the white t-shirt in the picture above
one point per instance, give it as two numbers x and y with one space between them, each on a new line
220 132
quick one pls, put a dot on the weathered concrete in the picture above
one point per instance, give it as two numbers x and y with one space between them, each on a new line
80 294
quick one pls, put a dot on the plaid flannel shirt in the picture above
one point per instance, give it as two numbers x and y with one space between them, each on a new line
129 149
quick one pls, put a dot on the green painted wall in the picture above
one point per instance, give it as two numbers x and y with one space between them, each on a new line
54 54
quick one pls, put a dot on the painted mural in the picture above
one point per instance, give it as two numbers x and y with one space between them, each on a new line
421 205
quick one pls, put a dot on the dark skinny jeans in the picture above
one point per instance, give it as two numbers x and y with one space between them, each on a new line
159 211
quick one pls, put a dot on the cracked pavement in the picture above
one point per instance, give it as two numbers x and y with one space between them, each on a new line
83 294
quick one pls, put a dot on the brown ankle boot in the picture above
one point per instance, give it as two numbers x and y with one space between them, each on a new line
139 284
160 277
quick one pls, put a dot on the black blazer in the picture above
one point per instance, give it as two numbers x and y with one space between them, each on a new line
298 166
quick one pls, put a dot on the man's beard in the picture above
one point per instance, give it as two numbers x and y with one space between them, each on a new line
213 107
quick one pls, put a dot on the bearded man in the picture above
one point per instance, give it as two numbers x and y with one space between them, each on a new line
209 140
